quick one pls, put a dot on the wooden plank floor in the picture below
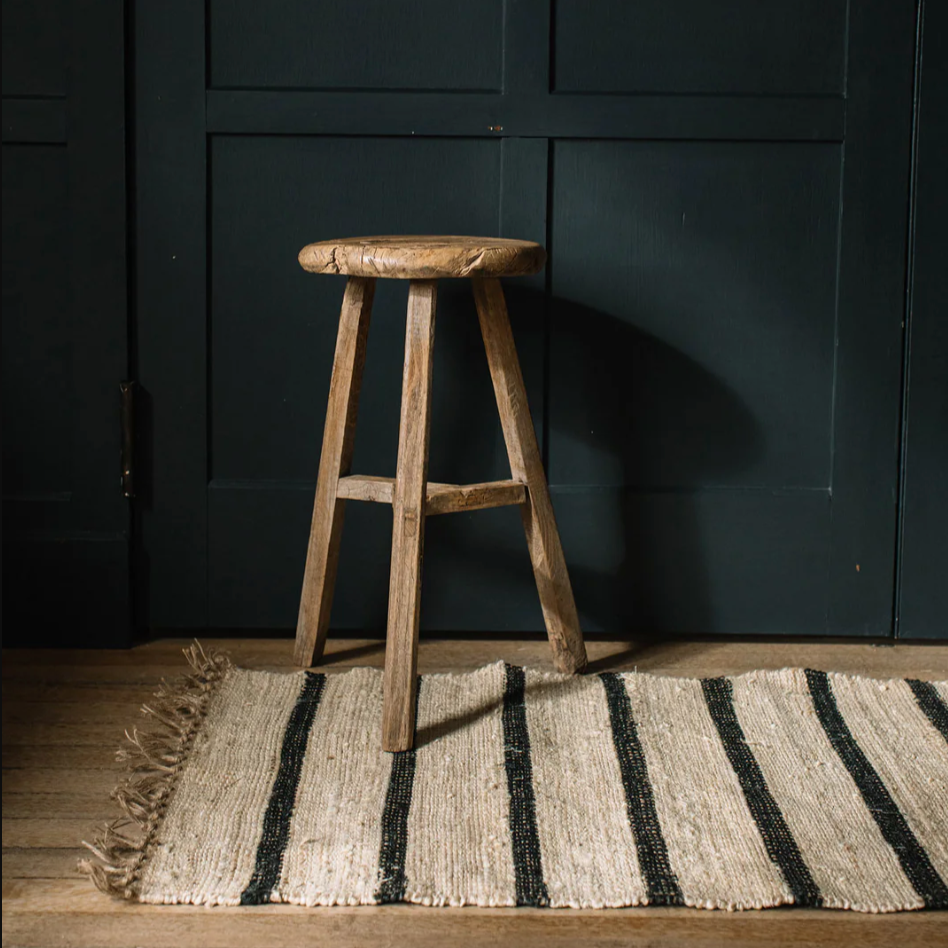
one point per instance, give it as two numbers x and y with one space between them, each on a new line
64 713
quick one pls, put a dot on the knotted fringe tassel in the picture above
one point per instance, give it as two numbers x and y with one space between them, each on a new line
154 759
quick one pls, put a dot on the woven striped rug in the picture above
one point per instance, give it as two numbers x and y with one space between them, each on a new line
527 788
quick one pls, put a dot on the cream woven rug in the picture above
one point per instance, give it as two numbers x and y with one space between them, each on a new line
527 788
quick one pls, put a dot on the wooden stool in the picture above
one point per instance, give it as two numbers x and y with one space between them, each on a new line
423 261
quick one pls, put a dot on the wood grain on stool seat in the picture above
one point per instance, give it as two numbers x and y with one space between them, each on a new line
424 258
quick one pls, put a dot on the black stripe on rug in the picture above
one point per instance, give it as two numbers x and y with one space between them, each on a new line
660 882
528 865
401 781
279 812
897 833
931 704
777 838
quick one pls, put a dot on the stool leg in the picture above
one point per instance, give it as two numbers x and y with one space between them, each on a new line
322 556
543 539
408 527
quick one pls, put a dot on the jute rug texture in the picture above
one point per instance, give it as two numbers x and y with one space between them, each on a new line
528 788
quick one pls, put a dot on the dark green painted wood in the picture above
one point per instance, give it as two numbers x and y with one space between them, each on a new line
63 590
38 369
171 310
869 321
637 562
527 47
273 326
97 255
724 478
523 216
724 386
34 121
477 573
734 562
923 605
527 115
269 402
36 47
66 536
374 44
269 387
694 290
782 47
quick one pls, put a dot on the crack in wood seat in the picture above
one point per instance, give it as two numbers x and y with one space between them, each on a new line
424 258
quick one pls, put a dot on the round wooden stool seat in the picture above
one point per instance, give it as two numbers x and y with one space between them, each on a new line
424 258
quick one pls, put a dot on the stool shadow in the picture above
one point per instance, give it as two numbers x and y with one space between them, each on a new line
637 430
344 655
454 723
439 729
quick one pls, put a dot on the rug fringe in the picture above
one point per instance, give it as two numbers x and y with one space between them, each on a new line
153 758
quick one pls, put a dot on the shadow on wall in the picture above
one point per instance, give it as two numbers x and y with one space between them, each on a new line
636 429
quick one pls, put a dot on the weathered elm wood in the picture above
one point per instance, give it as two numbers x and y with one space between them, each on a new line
67 760
377 490
543 539
47 833
101 734
408 516
322 557
424 258
26 692
82 803
456 498
47 782
441 498
106 675
70 914
42 863
69 712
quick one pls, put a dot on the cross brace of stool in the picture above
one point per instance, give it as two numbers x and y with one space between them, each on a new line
440 498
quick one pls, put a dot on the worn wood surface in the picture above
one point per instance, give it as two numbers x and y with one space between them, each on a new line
368 487
456 498
322 557
526 465
45 903
66 913
424 258
408 520
441 498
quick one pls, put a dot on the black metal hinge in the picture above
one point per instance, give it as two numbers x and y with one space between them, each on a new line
127 390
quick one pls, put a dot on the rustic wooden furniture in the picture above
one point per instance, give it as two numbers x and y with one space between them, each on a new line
423 261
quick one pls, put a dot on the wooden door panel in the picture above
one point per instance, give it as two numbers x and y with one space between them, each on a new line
695 305
38 335
273 329
923 605
274 326
712 353
66 521
783 47
729 562
35 47
375 44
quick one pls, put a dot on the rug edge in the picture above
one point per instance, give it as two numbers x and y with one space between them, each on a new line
553 675
154 761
